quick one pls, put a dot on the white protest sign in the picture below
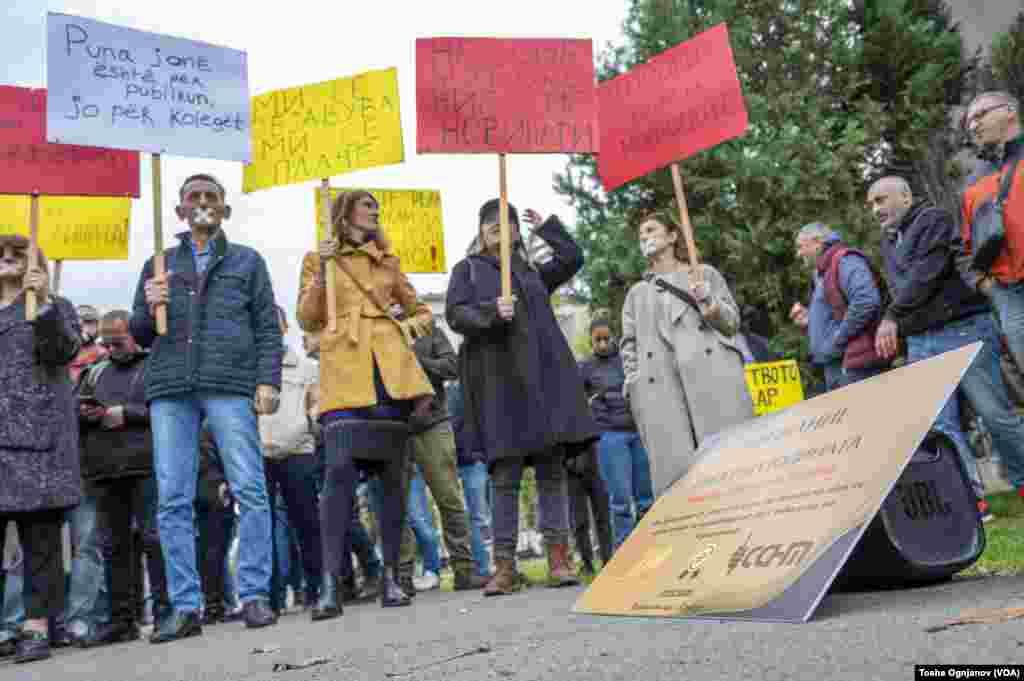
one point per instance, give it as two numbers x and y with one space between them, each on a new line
120 88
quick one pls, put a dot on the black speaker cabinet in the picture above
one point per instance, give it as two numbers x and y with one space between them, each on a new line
927 530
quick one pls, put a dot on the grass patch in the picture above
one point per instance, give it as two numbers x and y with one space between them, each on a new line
1004 539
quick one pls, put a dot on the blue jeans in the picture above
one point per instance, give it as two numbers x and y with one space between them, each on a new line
626 471
88 599
983 386
12 614
232 422
1008 302
475 484
837 377
361 543
422 522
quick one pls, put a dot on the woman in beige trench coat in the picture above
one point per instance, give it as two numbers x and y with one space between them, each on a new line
684 372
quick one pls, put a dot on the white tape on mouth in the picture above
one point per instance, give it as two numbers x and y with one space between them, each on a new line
202 216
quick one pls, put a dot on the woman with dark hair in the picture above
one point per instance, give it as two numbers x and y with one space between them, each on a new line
684 373
369 379
39 456
523 396
622 458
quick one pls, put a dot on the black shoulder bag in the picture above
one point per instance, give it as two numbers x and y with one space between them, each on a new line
988 234
683 296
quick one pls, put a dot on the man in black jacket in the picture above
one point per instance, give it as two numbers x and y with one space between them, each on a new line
432 446
219 360
935 312
117 459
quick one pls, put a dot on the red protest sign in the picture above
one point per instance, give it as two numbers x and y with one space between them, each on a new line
31 165
682 101
492 95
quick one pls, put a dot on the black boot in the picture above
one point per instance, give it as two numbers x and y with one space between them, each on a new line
392 595
329 605
405 575
107 634
178 625
31 646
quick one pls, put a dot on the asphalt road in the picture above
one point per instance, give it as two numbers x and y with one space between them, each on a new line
533 635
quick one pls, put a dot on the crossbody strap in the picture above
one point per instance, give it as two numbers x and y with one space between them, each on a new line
372 295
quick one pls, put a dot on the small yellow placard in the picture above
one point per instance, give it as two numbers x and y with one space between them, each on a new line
72 227
774 385
411 219
324 129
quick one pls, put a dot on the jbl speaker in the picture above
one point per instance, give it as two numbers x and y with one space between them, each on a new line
927 530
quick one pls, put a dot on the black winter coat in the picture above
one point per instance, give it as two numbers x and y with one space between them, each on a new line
223 334
437 357
457 410
522 389
921 269
603 379
39 452
128 451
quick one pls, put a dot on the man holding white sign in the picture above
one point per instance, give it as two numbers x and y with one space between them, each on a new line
221 356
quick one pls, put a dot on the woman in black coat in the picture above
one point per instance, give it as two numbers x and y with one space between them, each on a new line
524 400
39 456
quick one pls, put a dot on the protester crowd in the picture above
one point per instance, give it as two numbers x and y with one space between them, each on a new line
163 451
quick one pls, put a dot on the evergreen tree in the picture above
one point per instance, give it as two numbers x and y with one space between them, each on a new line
1007 58
829 110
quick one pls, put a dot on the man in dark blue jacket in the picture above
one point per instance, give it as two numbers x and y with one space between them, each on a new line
844 310
220 358
935 311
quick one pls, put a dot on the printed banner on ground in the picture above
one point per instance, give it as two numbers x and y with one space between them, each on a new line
680 102
116 87
411 219
73 227
325 129
492 95
28 164
774 385
769 513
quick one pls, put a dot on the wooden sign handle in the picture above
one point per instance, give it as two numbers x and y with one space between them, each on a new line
506 233
31 300
684 220
158 241
330 269
58 268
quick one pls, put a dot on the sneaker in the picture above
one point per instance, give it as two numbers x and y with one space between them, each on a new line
986 515
428 582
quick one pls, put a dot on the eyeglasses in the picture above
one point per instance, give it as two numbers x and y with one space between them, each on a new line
978 115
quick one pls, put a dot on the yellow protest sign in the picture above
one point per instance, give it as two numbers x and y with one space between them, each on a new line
774 385
411 218
72 227
325 129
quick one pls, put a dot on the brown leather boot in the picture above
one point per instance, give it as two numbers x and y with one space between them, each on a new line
560 570
506 579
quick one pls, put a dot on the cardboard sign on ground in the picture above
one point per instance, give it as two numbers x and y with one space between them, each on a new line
73 227
682 101
117 87
412 221
765 519
774 385
325 129
29 165
494 95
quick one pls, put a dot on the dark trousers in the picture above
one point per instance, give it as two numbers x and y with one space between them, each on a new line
294 478
586 493
212 542
118 502
340 481
41 544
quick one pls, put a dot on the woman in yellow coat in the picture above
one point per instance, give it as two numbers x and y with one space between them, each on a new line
370 380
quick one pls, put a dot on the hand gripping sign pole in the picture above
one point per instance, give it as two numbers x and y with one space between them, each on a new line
330 270
158 242
31 301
